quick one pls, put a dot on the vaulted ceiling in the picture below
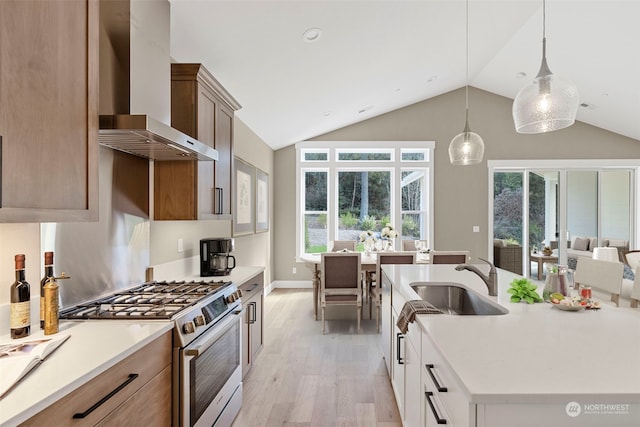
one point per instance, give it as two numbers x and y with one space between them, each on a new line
374 56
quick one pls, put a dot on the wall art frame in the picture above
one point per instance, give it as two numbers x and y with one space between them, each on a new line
262 201
244 200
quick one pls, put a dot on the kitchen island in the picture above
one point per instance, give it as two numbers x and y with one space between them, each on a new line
536 365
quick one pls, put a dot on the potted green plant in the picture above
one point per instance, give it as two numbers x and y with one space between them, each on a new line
522 290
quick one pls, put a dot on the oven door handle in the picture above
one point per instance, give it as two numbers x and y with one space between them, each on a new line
196 348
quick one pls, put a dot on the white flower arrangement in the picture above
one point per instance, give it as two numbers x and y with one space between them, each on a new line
388 232
368 236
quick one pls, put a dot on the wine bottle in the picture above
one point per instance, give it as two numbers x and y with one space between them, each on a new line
48 272
20 311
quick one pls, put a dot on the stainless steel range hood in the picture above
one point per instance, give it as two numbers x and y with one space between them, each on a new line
135 83
144 136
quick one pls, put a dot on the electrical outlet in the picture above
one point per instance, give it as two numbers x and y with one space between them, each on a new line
180 246
293 270
476 228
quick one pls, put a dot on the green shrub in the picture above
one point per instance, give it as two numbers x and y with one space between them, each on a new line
409 226
368 223
348 221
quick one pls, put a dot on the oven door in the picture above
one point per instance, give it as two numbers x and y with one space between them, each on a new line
211 375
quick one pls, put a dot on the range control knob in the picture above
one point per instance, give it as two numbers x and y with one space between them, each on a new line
239 292
188 328
199 320
231 298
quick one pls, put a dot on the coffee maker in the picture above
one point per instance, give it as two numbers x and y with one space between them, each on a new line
214 257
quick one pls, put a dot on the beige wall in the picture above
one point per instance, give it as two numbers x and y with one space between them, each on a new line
461 192
250 250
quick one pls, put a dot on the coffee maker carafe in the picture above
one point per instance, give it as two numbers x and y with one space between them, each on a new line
214 257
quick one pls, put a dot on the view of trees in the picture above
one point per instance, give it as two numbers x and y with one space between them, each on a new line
507 207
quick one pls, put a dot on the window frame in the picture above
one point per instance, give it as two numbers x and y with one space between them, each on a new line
334 166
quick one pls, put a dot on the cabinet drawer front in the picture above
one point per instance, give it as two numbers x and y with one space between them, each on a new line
146 363
437 377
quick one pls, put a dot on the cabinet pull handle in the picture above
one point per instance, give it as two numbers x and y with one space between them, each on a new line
107 397
252 319
219 193
429 367
399 336
428 395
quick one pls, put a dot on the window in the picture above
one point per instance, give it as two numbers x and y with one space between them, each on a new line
345 188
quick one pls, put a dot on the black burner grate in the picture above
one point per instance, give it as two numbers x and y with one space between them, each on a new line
152 300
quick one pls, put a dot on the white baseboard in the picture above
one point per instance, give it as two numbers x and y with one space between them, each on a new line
290 284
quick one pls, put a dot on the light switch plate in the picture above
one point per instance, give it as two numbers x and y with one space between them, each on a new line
476 228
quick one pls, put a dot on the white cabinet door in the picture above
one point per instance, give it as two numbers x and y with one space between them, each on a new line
385 323
412 380
397 364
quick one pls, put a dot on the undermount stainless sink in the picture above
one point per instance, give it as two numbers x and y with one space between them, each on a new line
453 298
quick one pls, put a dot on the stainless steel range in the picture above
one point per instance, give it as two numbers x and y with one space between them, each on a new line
207 373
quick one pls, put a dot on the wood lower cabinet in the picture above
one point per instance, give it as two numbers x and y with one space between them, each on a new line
135 391
203 109
253 320
49 115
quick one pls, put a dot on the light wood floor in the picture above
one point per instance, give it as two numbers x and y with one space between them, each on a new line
304 378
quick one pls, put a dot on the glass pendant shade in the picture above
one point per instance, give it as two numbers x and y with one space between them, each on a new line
466 148
549 103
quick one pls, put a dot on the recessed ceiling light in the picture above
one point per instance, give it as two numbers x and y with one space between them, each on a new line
365 109
521 75
432 79
312 35
326 114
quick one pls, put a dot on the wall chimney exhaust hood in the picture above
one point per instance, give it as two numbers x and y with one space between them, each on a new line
144 136
135 83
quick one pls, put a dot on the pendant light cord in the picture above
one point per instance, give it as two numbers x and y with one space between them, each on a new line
466 88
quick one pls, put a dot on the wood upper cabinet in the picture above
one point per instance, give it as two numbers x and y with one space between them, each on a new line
49 110
203 109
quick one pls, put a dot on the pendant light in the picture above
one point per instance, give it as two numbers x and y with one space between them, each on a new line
466 148
549 103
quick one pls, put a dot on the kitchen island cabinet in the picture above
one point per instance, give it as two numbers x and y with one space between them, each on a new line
49 115
253 325
534 366
203 109
136 391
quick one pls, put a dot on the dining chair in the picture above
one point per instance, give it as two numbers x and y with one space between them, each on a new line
375 291
604 275
450 257
340 282
339 245
410 245
635 290
632 258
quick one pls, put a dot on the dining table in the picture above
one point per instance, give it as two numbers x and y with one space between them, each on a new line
368 263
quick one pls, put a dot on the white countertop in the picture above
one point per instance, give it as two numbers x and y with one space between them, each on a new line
535 353
93 347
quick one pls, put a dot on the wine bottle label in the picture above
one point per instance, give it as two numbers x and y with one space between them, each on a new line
19 315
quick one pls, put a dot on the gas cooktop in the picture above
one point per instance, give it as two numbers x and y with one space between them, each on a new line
151 300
